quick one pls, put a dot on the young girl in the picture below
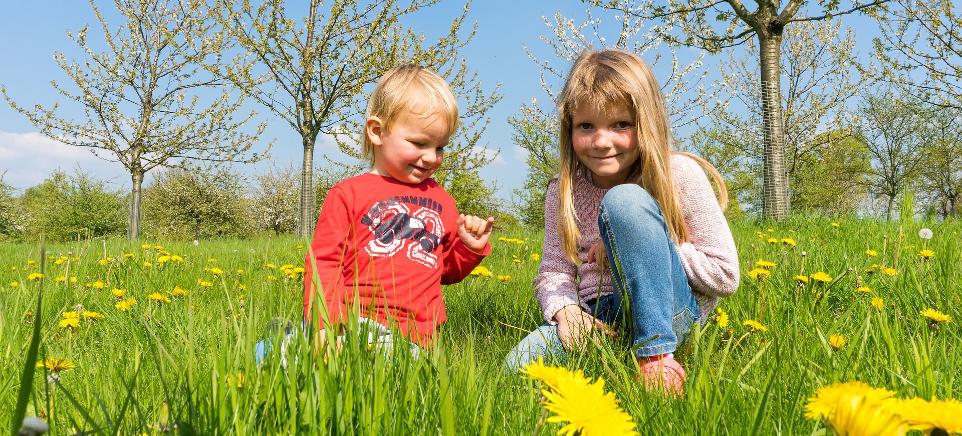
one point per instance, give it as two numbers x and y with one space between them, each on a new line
660 238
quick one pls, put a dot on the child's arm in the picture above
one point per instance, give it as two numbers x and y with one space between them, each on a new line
555 285
467 251
328 250
709 256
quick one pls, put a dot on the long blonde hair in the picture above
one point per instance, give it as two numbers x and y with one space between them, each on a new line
605 79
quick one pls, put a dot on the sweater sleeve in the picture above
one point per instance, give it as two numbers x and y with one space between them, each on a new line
709 255
555 285
328 250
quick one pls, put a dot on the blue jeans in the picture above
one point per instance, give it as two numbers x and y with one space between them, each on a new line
652 298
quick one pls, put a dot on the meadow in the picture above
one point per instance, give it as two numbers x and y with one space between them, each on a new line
158 336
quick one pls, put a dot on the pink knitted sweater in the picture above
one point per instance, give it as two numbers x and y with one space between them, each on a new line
709 255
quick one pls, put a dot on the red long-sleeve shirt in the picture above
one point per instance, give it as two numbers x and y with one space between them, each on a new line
387 247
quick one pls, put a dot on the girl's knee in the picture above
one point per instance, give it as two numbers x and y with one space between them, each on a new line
628 198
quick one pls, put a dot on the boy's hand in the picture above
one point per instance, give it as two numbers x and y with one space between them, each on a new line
474 231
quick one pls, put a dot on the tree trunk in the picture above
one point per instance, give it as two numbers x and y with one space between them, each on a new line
306 220
133 222
775 183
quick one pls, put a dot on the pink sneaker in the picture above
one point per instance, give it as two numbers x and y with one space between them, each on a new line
662 372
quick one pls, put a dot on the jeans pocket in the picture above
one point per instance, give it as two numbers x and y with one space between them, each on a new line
681 324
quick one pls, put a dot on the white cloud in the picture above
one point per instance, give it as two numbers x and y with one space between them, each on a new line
520 153
28 158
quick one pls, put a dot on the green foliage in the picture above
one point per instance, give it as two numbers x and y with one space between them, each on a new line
11 214
831 178
65 207
197 204
536 133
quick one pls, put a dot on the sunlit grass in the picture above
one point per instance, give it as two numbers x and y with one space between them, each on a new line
180 355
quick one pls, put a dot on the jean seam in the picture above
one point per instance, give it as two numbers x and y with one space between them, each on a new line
617 274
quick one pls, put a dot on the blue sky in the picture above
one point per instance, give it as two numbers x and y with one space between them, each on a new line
31 31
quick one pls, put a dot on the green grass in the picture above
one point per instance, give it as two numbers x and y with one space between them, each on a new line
166 366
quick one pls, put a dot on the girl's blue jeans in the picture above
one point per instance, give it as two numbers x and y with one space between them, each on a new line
652 298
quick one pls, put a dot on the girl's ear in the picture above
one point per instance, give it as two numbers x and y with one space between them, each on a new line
374 128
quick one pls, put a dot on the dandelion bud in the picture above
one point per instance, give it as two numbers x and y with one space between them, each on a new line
32 426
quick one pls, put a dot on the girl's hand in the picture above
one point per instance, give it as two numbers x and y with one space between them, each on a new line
574 324
474 231
596 251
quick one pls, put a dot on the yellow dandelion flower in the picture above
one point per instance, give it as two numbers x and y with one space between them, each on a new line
69 323
33 277
61 260
54 364
31 262
204 283
772 240
13 284
515 259
92 315
762 263
239 272
59 279
125 305
826 399
481 271
927 416
721 318
118 293
235 380
178 292
801 278
586 409
535 257
241 286
145 246
821 277
97 285
926 254
871 253
271 278
859 415
936 316
148 265
759 273
211 260
105 261
216 271
161 260
836 225
873 268
73 280
158 297
70 314
788 241
754 326
504 278
863 289
837 341
270 266
889 271
878 303
550 375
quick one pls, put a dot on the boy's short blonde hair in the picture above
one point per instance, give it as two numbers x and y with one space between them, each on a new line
413 88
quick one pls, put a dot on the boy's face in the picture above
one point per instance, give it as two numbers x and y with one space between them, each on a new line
413 148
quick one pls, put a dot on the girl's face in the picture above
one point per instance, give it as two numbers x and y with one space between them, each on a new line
607 144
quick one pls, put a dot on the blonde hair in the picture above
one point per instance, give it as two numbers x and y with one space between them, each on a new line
605 79
412 88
